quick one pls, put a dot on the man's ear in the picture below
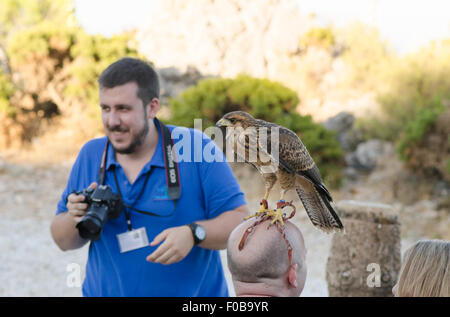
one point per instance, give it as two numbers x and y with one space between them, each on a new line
153 108
292 276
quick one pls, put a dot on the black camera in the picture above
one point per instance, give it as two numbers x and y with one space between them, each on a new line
103 204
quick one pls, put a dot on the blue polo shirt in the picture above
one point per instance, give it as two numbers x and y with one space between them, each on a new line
208 188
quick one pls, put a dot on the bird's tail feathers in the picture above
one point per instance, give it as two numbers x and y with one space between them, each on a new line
317 205
323 191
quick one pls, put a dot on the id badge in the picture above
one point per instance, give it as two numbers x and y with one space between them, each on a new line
132 240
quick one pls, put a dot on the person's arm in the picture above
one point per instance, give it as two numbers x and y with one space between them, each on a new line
218 229
64 232
63 226
178 241
221 193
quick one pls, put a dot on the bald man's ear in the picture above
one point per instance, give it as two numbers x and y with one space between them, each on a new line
292 276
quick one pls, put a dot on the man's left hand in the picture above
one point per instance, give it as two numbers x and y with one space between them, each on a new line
178 241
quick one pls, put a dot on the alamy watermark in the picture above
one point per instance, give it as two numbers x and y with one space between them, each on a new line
242 145
374 278
73 278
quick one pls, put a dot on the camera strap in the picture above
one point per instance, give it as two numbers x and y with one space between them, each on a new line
102 169
172 171
171 166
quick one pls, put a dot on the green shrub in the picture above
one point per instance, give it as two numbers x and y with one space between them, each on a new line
55 65
366 55
210 99
415 129
319 37
91 55
411 96
414 103
6 91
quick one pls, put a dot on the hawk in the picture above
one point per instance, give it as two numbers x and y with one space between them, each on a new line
293 167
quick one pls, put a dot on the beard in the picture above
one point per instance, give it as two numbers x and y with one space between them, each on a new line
136 142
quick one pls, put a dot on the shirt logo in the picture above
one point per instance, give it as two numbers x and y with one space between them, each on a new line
161 193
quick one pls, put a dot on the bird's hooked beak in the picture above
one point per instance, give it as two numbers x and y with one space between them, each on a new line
224 123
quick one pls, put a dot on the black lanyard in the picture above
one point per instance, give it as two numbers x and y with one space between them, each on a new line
172 175
127 213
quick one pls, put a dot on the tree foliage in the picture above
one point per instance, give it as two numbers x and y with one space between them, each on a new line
211 98
367 55
323 37
53 64
415 86
414 94
18 15
6 91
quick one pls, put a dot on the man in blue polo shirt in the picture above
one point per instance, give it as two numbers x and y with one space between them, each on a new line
158 246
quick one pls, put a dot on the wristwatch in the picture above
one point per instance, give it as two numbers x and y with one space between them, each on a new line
198 232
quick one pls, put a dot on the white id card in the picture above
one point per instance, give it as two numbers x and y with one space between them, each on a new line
132 240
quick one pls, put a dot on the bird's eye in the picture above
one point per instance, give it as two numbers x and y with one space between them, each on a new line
232 120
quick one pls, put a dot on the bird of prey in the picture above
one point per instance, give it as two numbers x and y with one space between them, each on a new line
293 167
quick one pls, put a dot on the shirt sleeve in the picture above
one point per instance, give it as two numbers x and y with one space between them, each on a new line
221 189
83 173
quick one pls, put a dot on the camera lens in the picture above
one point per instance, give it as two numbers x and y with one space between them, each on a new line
90 227
103 205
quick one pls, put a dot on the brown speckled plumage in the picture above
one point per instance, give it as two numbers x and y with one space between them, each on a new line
294 168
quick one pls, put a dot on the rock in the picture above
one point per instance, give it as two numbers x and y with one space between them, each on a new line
351 173
3 167
225 37
441 188
341 122
347 136
367 154
365 261
259 38
173 81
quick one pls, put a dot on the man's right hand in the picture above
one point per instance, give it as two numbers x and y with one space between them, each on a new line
76 207
64 232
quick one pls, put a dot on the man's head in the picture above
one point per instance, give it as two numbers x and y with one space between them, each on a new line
129 92
262 266
127 70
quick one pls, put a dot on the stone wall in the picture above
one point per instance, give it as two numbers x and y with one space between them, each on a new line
365 261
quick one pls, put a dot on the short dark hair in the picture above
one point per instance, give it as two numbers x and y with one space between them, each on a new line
127 70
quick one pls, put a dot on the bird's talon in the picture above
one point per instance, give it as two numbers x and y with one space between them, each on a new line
278 217
264 204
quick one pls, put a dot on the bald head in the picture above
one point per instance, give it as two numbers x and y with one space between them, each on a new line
262 266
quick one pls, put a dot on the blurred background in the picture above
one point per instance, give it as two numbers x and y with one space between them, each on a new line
365 84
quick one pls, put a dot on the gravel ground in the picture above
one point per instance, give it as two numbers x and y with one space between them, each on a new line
32 265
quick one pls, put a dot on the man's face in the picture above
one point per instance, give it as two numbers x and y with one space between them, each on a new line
125 120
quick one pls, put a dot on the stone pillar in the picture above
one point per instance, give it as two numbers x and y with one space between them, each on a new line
365 261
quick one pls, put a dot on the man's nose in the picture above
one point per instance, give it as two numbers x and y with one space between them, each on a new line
112 119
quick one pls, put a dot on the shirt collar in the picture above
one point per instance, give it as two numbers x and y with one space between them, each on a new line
156 160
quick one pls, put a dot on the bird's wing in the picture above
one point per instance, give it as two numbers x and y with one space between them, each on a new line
292 154
259 147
